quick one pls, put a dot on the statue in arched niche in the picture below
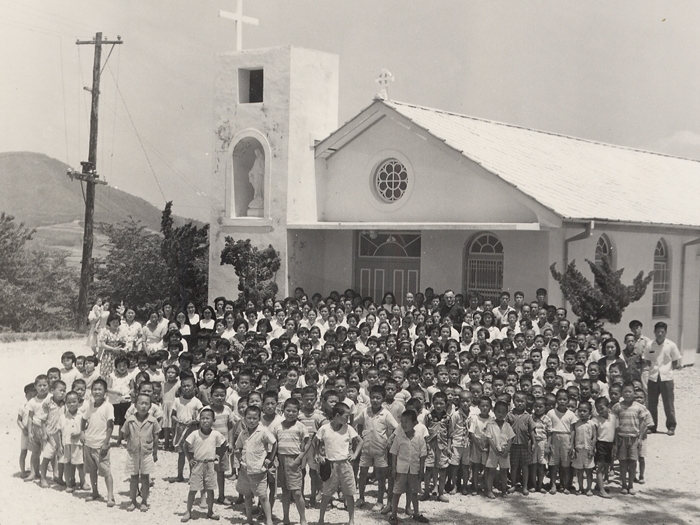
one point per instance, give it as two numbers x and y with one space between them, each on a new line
256 176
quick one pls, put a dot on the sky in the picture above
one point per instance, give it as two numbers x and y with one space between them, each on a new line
624 72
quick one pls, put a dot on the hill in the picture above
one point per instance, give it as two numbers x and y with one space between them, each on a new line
37 191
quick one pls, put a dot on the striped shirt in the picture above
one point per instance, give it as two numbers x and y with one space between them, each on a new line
290 440
629 419
459 429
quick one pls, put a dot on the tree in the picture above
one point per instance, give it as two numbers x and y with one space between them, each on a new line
38 291
185 250
255 269
606 298
134 270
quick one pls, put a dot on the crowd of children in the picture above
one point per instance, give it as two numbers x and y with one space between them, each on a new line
428 398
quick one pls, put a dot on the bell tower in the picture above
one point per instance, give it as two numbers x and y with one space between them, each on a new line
270 106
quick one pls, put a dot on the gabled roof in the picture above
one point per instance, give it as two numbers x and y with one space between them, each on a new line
577 179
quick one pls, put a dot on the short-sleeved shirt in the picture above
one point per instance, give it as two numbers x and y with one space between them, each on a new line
606 427
39 409
438 428
222 419
459 429
562 422
499 436
395 408
204 446
68 376
97 420
53 417
478 427
522 426
155 410
312 422
662 357
186 410
141 435
629 418
254 448
408 452
542 426
70 428
376 429
290 441
584 435
336 442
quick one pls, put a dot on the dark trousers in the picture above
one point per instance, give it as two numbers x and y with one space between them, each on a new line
665 389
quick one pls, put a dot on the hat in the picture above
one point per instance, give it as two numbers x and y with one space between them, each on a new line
324 470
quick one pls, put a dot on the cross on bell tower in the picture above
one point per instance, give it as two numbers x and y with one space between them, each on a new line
384 78
240 19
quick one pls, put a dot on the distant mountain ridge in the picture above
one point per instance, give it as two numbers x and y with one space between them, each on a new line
37 191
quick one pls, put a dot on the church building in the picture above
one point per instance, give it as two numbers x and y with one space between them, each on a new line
404 197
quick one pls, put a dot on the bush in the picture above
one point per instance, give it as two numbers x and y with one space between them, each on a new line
255 269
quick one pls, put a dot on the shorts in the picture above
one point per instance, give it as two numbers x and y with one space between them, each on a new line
561 446
24 441
120 413
373 460
50 448
289 478
538 456
140 464
520 454
628 448
642 449
604 452
203 476
460 456
72 454
495 461
404 482
583 459
95 463
342 476
477 455
436 458
255 484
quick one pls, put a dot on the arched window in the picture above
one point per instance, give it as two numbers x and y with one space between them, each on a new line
661 300
484 266
604 247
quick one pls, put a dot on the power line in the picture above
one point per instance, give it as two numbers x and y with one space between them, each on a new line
75 22
63 87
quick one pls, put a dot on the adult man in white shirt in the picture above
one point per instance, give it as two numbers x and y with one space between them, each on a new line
662 356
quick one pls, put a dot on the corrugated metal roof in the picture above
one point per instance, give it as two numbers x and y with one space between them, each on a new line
576 178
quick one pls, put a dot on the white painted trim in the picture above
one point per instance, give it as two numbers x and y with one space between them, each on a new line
415 226
230 196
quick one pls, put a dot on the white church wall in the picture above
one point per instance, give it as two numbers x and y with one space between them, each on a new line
447 186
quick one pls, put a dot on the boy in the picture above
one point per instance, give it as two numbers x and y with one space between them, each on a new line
96 430
560 460
223 423
204 449
583 438
141 434
256 448
185 413
338 440
520 453
313 419
438 440
500 439
631 426
478 441
408 451
51 432
375 424
72 457
36 415
607 426
458 469
23 423
542 442
292 437
641 398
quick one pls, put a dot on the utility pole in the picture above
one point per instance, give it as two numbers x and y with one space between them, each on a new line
91 178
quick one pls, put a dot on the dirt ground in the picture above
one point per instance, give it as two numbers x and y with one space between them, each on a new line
669 496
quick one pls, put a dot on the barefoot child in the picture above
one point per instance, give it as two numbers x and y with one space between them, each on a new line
520 453
606 424
641 398
501 437
256 448
560 456
631 425
36 415
72 457
479 442
223 423
185 414
23 424
458 470
97 426
583 438
141 434
51 432
170 388
409 451
542 442
292 437
342 446
204 449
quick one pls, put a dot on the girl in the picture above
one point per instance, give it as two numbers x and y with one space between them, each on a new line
170 388
208 380
208 319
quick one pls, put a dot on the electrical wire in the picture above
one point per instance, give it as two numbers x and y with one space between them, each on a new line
114 116
63 87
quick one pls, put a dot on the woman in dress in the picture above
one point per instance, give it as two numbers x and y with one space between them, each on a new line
93 319
229 328
153 333
208 319
131 330
111 343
